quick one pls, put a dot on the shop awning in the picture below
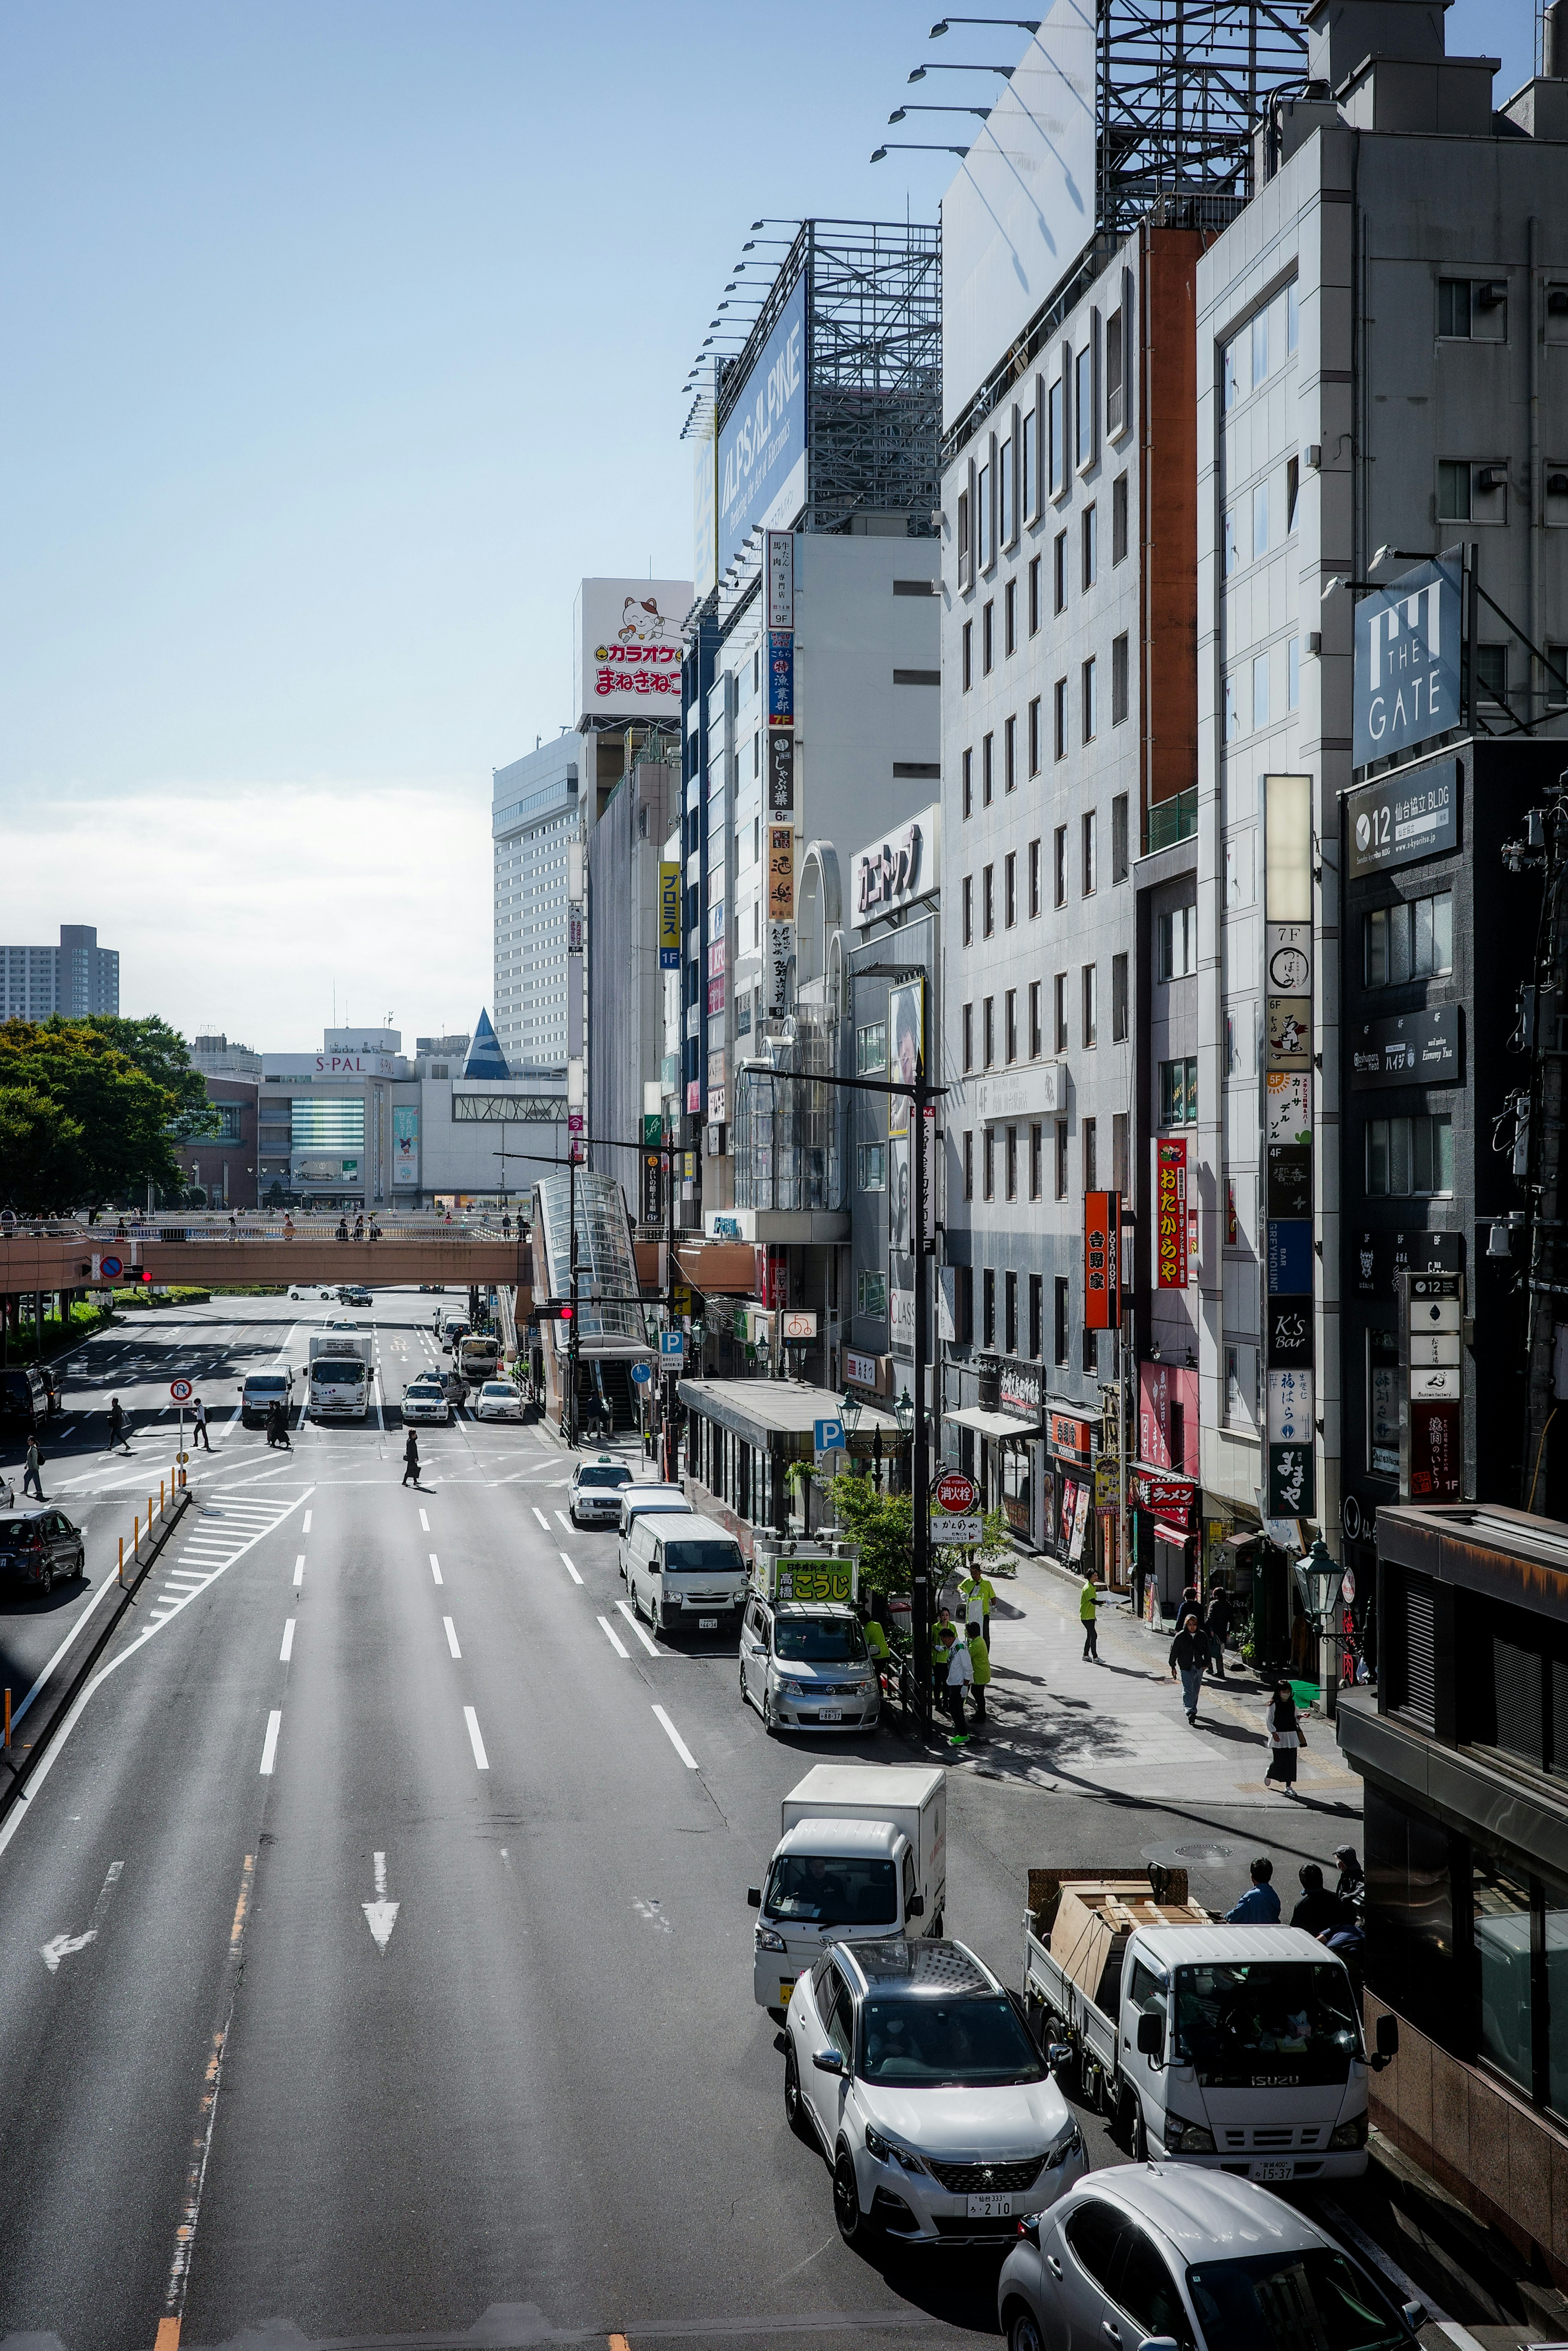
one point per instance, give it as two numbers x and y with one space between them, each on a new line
1242 1538
1165 1533
991 1424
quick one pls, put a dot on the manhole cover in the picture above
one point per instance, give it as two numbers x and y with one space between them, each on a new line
1188 1857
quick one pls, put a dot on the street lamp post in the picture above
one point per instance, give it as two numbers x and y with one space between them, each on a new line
1318 1580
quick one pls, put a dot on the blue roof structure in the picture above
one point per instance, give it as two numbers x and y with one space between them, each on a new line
485 1059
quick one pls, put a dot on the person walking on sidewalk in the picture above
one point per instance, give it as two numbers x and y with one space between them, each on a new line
959 1671
1189 1655
410 1460
980 1667
34 1463
117 1426
199 1426
1285 1735
1217 1628
1089 1611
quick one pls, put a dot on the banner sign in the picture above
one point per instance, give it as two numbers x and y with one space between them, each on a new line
780 772
1102 1278
1291 1481
1409 660
762 442
781 677
780 579
1289 1257
1408 1049
405 1145
1170 1212
669 915
1405 818
780 873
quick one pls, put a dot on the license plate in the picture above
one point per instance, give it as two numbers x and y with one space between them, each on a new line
708 1623
1272 2171
988 2207
786 1986
829 1714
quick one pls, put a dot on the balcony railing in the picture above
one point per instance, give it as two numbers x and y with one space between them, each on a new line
1171 820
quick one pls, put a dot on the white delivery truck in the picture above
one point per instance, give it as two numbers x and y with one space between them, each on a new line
342 1366
1236 2048
863 1855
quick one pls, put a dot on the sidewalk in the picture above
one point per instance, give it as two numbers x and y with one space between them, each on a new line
1065 1725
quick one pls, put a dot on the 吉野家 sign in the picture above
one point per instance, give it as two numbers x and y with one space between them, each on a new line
1170 1213
1102 1279
1404 818
669 915
1409 660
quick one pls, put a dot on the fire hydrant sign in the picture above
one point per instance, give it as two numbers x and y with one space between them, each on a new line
955 1509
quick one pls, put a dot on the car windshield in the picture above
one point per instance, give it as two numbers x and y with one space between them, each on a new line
704 1558
1266 2024
328 1367
1308 2300
609 1477
424 1387
496 1388
954 2043
834 1891
819 1640
264 1383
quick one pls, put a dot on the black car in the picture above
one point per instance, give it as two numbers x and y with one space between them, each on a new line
23 1398
38 1548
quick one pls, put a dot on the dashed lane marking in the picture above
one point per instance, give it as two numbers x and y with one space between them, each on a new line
676 1742
287 1649
570 1569
436 1568
481 1760
541 1518
630 1613
452 1636
270 1744
613 1638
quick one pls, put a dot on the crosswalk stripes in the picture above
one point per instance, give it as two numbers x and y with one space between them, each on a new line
223 1532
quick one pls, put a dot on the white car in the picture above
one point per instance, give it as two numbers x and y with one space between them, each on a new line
636 1501
911 2066
425 1400
595 1494
498 1400
804 1665
1142 2253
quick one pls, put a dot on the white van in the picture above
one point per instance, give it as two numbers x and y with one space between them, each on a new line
685 1572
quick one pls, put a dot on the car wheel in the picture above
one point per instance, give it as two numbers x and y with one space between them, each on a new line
1023 2332
745 1693
769 1725
46 1582
1137 2133
853 2225
82 1565
795 2112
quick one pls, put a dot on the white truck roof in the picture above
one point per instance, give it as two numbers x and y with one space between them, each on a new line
1221 1946
867 1783
876 1839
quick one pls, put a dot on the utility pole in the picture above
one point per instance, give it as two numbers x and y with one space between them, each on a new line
920 1465
667 1444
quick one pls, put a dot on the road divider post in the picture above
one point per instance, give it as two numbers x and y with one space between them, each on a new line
122 1562
6 1741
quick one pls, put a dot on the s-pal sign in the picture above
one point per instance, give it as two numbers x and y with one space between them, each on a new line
762 445
1408 661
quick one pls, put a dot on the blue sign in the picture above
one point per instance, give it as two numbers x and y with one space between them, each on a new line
642 1373
111 1266
831 1437
672 1346
780 676
1289 1257
1408 661
764 441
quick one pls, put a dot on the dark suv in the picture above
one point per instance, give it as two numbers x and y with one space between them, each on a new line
23 1398
38 1546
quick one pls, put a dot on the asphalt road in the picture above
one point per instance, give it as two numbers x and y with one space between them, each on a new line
534 2102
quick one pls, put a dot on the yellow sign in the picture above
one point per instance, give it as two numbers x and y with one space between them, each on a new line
781 873
669 916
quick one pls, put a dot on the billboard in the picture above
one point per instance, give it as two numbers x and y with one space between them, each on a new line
1409 660
906 1029
626 647
1404 820
405 1145
762 447
1022 208
1170 1213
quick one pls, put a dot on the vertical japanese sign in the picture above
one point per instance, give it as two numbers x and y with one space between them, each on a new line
781 773
781 873
1102 1261
780 579
781 677
1170 1212
669 915
1431 1340
1288 1260
653 1188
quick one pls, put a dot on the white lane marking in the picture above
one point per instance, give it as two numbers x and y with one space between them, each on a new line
298 1571
541 1518
562 1517
630 1615
287 1649
613 1638
570 1569
436 1567
270 1744
61 1947
676 1742
425 1523
306 1527
481 1759
380 1915
452 1636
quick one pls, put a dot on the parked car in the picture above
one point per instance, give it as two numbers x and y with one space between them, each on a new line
23 1398
432 1287
636 1501
911 2065
685 1572
353 1293
498 1400
595 1494
425 1399
1202 2259
38 1547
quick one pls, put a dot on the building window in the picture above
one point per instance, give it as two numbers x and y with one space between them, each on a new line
1091 546
1091 1350
988 553
1009 1313
1178 942
1119 679
1178 1091
988 1162
1060 837
1059 564
1062 1159
1260 690
1412 940
1091 723
1036 1314
1453 490
988 636
873 1167
871 1295
1010 617
1083 403
987 769
1119 999
1006 527
871 1049
1034 733
987 901
1034 879
1035 1035
1033 595
1059 713
1089 992
968 1025
967 644
1119 519
1115 403
968 783
1454 307
969 906
1010 754
989 1028
1293 675
1009 889
1012 1171
1010 1024
1119 1155
963 538
968 1161
1506 1977
1119 838
964 1302
1556 678
1090 1151
1409 1158
1292 492
1091 853
1036 1156
1029 461
988 1305
1059 1011
1056 432
1491 673
1061 1320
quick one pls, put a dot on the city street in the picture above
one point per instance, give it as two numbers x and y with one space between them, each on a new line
375 1953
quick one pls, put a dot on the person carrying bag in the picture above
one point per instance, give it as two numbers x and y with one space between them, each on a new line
1285 1736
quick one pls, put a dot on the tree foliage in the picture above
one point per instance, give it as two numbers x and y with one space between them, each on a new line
883 1527
80 1121
161 1054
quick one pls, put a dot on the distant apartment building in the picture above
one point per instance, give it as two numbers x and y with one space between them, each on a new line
534 813
76 978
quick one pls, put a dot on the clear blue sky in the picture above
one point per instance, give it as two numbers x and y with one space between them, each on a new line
340 340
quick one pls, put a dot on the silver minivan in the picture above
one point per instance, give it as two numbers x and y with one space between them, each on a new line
684 1573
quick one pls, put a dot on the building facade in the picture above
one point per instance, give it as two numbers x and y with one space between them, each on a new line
535 811
76 978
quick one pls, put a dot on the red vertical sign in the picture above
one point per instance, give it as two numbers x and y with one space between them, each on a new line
1102 1266
1170 1213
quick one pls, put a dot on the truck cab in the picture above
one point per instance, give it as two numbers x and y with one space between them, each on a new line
863 1855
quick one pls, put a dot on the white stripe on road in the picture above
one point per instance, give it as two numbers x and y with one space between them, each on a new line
630 1615
613 1638
287 1649
270 1744
298 1571
562 1517
425 1523
306 1527
541 1518
452 1636
570 1569
481 1759
676 1742
436 1567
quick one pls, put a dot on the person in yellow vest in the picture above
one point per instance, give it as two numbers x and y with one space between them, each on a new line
976 1592
1088 1609
876 1643
943 1635
980 1664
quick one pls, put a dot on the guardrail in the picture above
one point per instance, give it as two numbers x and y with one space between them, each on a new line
194 1229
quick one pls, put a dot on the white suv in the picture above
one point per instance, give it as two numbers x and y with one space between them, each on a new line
912 2065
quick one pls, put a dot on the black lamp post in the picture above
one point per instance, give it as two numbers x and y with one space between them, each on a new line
1317 1580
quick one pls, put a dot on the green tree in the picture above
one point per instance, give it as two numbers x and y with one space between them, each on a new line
161 1054
40 1146
90 1124
883 1527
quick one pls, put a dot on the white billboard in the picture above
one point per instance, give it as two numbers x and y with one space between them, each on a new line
1023 206
626 648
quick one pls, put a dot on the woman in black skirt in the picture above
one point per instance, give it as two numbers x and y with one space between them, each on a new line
1285 1735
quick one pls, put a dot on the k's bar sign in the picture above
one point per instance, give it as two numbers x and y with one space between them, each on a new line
1409 660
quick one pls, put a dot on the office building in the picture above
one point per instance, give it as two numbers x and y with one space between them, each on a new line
74 979
534 813
633 915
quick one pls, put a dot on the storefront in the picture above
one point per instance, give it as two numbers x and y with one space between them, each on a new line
1166 1540
1072 1535
1003 1447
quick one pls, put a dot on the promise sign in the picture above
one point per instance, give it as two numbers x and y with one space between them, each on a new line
1170 1213
1101 1261
669 915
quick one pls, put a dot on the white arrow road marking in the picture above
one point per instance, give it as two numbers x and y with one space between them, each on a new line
613 1638
452 1636
481 1759
570 1569
676 1742
380 1915
630 1615
61 1947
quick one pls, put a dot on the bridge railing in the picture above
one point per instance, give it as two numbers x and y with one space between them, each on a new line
243 1227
